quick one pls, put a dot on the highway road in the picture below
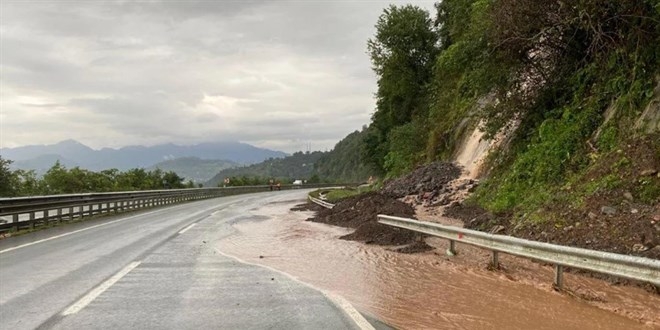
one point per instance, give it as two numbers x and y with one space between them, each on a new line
157 268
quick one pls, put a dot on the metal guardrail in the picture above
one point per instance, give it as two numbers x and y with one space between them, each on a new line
630 267
321 202
30 212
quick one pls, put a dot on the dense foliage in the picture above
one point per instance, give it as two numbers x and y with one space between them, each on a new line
61 180
299 166
345 163
566 80
402 54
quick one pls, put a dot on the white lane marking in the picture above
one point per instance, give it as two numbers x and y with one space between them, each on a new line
88 298
350 310
187 228
92 227
338 300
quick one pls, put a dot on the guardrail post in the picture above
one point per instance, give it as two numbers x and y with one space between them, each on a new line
559 277
31 220
59 215
14 219
70 213
451 251
81 211
495 262
46 214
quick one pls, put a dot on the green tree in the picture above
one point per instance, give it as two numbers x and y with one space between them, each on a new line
8 180
402 53
172 180
29 184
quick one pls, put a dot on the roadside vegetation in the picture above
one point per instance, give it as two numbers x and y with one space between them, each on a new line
571 90
298 166
61 180
335 195
572 84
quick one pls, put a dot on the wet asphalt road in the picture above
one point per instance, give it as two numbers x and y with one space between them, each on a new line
157 269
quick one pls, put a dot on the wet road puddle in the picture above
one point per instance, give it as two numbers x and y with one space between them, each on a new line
423 291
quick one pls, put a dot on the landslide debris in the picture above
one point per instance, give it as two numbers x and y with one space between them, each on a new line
360 212
309 206
428 179
614 207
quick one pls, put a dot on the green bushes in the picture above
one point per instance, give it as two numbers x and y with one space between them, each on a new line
61 180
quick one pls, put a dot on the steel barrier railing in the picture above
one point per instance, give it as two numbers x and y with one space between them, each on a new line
625 266
321 202
30 212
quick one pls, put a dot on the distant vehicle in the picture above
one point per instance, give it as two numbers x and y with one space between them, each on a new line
298 183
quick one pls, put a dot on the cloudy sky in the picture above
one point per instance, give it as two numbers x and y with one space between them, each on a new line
276 74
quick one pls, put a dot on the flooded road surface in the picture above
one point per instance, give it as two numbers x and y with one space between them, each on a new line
423 291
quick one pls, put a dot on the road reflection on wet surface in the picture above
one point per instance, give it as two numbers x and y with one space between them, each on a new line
421 291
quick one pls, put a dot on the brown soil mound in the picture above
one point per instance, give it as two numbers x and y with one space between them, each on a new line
309 206
360 212
473 216
431 178
375 233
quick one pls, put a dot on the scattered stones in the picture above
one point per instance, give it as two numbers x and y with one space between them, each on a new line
592 215
608 210
634 211
627 195
648 172
569 228
429 178
496 229
639 248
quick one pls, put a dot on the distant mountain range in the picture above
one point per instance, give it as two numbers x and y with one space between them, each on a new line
73 153
297 166
193 168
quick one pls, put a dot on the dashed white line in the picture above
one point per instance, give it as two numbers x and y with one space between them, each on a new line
88 298
187 228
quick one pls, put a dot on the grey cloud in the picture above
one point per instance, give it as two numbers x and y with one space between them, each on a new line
274 73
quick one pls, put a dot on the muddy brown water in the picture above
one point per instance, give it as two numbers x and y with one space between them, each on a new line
409 291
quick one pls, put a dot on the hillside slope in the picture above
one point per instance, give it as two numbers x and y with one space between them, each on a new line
554 107
299 166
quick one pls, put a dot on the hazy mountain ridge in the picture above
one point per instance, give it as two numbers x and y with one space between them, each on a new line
133 156
194 168
297 166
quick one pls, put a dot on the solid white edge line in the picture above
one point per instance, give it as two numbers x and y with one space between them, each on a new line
88 298
187 228
338 300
